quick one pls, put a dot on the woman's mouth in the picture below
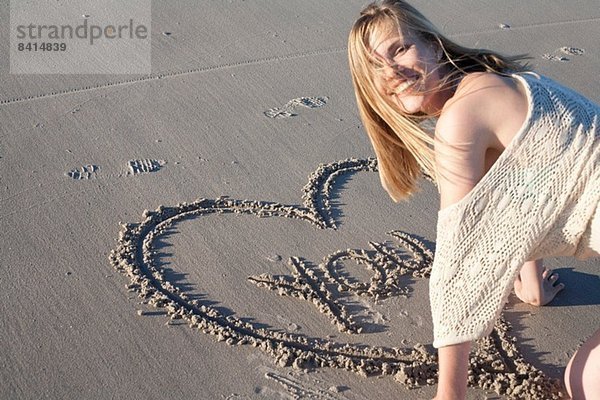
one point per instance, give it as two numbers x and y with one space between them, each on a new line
401 88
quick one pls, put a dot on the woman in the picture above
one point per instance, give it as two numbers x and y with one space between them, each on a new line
515 157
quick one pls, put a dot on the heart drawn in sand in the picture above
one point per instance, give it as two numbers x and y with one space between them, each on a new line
496 364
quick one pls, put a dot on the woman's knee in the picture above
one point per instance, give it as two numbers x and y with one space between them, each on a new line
582 375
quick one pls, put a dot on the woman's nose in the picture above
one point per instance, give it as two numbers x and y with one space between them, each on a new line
392 71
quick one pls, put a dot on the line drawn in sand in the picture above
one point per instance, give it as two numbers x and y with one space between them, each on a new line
174 74
496 363
288 109
303 390
312 283
84 172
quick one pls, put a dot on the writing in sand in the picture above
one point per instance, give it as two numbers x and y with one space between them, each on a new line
496 364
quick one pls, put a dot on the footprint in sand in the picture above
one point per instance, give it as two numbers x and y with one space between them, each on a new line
143 166
288 109
572 51
134 167
84 172
552 57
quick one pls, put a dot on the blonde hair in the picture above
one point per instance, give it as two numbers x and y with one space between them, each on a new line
403 148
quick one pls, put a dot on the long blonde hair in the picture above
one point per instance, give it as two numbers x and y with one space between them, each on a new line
403 148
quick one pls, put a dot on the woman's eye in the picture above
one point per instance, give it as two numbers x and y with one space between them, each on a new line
400 50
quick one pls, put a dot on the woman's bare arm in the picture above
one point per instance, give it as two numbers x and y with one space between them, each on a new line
453 371
462 141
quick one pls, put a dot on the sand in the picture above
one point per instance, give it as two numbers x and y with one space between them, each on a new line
217 230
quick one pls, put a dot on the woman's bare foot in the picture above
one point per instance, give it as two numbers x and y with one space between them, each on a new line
537 285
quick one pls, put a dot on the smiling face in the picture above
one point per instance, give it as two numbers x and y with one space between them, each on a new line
407 71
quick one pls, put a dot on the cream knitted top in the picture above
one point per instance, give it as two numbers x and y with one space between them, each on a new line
539 199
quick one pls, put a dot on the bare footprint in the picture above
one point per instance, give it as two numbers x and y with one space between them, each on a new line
573 51
288 109
552 57
84 172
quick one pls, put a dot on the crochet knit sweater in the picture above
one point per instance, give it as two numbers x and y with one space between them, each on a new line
539 199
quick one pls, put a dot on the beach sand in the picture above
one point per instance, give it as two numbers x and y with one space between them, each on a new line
271 263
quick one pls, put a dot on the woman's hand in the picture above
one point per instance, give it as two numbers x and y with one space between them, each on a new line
536 285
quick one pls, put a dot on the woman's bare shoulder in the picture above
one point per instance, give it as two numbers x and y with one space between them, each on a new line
485 113
487 107
462 118
467 127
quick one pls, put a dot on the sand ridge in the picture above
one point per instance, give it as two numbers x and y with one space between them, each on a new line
496 364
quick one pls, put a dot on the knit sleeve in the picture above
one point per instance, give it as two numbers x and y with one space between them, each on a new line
474 267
